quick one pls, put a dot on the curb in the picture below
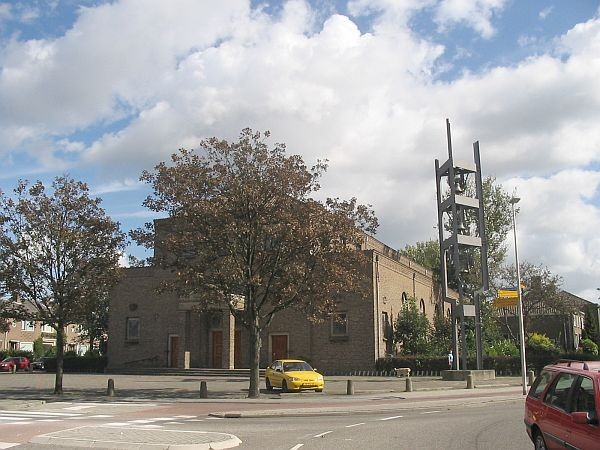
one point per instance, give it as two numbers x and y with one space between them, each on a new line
138 438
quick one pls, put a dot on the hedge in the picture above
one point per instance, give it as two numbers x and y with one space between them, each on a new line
503 365
88 364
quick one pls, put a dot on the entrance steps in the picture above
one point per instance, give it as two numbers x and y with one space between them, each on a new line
192 372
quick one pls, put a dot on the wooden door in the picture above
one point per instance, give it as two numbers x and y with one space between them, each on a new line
217 349
173 351
279 346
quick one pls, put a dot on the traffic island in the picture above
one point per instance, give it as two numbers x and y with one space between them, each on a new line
462 375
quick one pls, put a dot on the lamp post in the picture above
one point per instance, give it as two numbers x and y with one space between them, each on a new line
514 200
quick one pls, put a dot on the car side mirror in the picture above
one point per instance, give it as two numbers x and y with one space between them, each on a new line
315 370
278 370
581 417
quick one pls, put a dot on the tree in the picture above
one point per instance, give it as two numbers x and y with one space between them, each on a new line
94 322
247 235
57 250
441 335
541 294
412 330
590 325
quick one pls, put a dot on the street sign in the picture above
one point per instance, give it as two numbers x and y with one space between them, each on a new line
505 302
506 293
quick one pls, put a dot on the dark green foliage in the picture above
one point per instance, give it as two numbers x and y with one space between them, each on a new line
79 364
589 346
590 326
412 329
38 348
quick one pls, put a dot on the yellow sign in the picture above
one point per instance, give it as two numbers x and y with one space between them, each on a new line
505 293
505 302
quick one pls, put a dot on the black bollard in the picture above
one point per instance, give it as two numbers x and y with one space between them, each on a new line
110 390
349 387
203 390
409 387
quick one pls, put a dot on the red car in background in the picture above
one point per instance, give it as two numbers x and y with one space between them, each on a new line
561 409
20 362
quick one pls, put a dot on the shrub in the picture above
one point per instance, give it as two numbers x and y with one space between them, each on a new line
540 343
505 347
79 364
589 346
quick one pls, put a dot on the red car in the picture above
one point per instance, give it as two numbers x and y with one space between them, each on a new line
561 409
20 362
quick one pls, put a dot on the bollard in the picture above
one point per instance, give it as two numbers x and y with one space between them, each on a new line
110 389
409 387
470 384
531 377
203 390
349 387
14 368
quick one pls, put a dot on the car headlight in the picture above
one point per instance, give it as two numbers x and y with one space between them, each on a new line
294 379
319 378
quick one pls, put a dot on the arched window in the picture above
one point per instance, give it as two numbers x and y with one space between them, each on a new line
437 310
404 298
422 306
448 312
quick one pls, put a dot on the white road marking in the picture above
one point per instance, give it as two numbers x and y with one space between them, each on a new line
391 418
296 447
323 434
185 417
8 444
430 412
100 416
215 418
39 413
79 408
355 425
151 426
117 424
13 418
173 423
194 420
142 421
50 420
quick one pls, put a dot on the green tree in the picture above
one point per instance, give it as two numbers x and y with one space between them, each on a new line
441 335
246 233
412 330
57 250
590 324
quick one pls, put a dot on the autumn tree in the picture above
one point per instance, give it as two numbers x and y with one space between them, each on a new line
58 250
248 235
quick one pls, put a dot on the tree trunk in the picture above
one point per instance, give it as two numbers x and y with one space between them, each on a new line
60 353
255 345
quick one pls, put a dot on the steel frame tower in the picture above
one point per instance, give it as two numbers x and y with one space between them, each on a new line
454 248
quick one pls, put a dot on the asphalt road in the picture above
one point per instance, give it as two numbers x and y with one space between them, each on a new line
494 425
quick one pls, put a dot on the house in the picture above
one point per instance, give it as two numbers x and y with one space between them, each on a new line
564 329
152 329
21 335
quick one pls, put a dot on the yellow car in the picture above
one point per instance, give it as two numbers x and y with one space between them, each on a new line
293 375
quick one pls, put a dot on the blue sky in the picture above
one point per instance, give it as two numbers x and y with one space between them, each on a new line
103 90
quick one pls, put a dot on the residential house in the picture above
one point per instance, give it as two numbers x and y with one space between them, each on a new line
22 334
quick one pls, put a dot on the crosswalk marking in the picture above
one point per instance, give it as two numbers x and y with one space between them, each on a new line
8 444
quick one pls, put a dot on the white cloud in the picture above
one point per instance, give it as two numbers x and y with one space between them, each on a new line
544 13
5 11
367 101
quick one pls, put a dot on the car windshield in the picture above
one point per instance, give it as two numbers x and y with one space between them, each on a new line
296 366
7 359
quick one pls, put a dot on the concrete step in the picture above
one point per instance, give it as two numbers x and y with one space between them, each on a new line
196 372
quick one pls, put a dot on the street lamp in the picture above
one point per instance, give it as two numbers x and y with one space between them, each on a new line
514 200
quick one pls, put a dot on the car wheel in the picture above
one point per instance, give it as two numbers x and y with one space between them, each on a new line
538 441
284 386
268 385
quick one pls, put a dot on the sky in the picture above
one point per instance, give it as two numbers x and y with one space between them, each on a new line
102 90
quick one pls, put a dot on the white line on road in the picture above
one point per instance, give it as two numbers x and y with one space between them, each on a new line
296 447
80 407
354 425
323 434
39 413
430 412
7 444
391 418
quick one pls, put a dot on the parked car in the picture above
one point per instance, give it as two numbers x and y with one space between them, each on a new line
20 362
561 409
39 364
293 375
